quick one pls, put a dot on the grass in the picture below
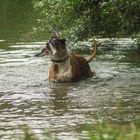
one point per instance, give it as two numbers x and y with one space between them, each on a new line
99 131
105 131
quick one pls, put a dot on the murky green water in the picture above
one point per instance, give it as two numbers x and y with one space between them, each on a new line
27 97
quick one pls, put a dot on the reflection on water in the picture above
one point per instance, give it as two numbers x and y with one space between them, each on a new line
27 97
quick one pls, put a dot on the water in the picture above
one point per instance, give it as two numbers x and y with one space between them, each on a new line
27 97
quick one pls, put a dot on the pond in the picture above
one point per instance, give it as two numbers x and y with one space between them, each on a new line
28 98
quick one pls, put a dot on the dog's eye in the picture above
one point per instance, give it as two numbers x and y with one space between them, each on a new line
55 44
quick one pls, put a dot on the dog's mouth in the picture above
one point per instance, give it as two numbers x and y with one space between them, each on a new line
43 52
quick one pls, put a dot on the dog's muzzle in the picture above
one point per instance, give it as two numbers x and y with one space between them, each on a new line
42 53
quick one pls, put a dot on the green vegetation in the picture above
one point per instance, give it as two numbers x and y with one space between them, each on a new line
82 19
99 131
76 19
16 19
104 131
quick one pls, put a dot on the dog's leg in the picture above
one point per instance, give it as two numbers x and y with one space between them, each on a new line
53 72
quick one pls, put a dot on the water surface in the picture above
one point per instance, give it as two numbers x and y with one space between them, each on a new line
27 97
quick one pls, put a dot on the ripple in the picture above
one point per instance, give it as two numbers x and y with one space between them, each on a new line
28 98
2 40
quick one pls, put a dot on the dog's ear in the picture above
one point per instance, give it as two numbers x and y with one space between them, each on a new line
56 34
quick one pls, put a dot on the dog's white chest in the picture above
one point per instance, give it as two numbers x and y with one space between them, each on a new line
65 72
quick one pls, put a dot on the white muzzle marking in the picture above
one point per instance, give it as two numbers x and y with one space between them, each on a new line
54 51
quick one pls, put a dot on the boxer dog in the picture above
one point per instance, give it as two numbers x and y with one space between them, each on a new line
67 66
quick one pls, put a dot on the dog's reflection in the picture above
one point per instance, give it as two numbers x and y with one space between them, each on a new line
59 100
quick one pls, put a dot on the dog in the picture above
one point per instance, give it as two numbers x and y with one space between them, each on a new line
67 66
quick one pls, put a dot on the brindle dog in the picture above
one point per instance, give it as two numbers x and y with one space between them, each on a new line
67 67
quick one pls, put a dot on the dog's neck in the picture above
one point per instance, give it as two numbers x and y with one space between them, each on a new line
64 60
62 63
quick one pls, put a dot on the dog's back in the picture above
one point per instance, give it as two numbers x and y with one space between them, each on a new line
80 68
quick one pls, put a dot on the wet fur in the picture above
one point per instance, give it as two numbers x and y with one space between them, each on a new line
78 69
67 66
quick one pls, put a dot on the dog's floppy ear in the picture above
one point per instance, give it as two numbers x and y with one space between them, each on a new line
56 34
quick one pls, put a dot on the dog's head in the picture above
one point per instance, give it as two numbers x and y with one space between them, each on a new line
57 49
